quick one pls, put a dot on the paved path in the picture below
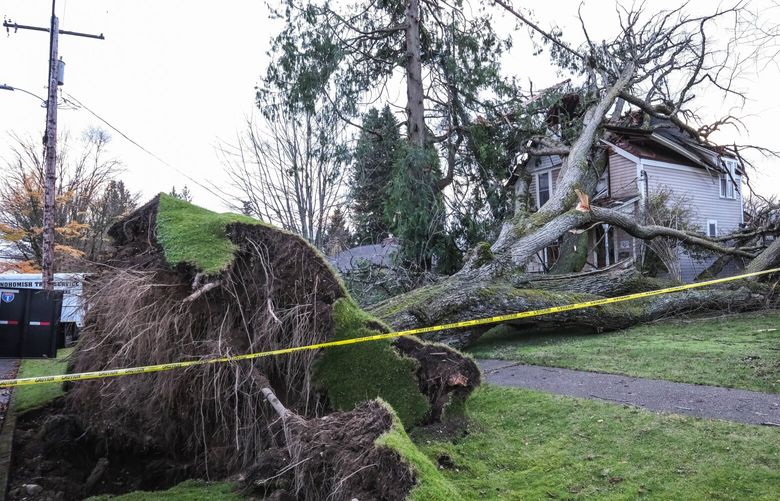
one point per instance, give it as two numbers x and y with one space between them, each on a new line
681 398
8 368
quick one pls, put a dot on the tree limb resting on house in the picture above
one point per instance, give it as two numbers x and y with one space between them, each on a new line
647 57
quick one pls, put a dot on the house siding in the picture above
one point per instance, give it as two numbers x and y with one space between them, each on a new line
702 194
622 177
700 189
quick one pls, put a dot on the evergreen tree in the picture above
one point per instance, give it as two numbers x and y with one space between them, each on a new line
184 194
348 52
115 202
376 151
337 237
415 208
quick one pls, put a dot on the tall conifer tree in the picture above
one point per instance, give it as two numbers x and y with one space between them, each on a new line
376 151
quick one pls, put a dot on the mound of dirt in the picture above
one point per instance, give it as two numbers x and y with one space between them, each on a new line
185 283
56 457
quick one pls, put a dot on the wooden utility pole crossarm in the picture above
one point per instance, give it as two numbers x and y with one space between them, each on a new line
50 140
10 25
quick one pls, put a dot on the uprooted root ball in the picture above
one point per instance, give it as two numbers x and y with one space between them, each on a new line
187 284
340 453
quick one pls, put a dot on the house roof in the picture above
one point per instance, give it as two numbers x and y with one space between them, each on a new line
662 140
378 254
644 146
657 139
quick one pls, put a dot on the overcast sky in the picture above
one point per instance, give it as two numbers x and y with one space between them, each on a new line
179 76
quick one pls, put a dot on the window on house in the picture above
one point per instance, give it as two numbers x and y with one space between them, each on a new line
604 247
543 188
551 254
712 228
728 181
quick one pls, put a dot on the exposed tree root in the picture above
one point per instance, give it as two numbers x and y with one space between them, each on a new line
333 457
277 292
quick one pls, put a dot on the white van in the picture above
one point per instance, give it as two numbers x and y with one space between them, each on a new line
72 317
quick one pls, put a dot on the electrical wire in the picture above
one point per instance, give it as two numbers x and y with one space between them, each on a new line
73 100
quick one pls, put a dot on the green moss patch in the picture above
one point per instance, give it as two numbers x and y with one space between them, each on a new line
358 372
194 235
483 254
431 485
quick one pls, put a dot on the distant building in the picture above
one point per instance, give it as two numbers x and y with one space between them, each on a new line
377 254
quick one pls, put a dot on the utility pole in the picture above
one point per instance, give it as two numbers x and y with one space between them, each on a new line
50 142
50 147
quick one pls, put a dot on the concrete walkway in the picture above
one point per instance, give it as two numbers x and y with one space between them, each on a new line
8 368
695 400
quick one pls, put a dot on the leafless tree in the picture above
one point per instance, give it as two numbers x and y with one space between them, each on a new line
666 208
289 171
88 197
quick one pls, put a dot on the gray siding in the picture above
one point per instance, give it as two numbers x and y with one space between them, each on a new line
622 177
701 191
534 265
702 194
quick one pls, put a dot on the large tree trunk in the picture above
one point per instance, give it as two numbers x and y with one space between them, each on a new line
415 111
469 296
767 259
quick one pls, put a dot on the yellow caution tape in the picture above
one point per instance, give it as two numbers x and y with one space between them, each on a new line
5 383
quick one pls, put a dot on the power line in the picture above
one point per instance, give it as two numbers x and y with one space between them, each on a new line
70 98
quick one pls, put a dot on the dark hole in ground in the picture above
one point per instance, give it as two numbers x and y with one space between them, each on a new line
445 461
53 450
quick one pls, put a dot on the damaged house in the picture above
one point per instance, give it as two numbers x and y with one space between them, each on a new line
649 160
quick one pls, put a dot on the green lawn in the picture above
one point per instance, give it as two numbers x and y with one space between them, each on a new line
191 490
28 397
525 444
741 351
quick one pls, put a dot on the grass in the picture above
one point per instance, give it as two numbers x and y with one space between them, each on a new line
524 444
30 397
738 351
191 490
194 235
431 485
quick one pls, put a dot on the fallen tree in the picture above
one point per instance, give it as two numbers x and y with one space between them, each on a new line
642 67
185 283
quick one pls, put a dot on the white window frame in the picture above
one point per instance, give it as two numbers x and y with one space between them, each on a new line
711 222
547 173
727 181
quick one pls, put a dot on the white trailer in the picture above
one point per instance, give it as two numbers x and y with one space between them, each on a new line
73 308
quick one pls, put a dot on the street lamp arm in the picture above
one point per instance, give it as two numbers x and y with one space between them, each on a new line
8 87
